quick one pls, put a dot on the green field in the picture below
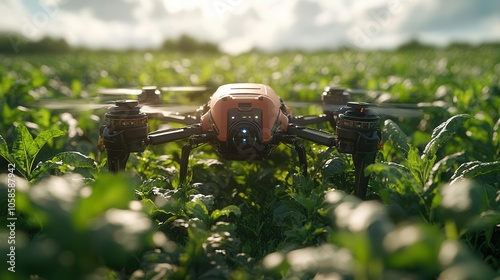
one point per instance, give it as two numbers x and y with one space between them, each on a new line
434 193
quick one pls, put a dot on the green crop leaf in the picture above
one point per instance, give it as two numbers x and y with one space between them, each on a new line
474 169
393 174
496 138
25 148
64 161
198 209
413 246
117 234
109 191
420 167
397 136
333 166
226 211
44 136
75 159
444 163
4 150
442 133
462 201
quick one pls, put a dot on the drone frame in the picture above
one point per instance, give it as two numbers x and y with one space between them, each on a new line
357 133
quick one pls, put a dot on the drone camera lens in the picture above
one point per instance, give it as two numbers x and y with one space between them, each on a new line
244 137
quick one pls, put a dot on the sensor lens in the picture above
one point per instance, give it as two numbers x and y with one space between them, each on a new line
244 137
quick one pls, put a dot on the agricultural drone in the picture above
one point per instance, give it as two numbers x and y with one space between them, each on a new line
245 121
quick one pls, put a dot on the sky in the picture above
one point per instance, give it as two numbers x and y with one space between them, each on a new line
241 25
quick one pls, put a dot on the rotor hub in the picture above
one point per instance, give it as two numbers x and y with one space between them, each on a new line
150 95
358 128
125 127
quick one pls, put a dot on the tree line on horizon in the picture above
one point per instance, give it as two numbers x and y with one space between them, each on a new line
16 44
11 43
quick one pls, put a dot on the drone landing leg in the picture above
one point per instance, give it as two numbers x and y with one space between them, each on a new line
117 160
186 150
194 142
299 148
361 161
301 151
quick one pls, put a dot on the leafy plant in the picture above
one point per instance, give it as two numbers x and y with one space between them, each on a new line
436 178
25 150
78 229
416 189
367 244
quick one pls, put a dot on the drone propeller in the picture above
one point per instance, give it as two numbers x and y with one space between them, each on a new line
386 109
334 98
152 95
383 109
72 105
134 91
151 109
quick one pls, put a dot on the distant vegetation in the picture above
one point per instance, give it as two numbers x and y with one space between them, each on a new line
186 43
11 43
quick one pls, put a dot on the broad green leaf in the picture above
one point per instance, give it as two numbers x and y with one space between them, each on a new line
55 198
413 246
198 210
461 264
226 211
108 191
496 137
118 234
73 159
333 166
462 201
76 87
148 206
397 136
487 221
442 133
367 223
23 148
392 174
474 169
208 200
419 167
4 150
444 163
44 136
313 261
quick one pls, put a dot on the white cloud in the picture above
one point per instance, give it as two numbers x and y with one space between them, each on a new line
239 25
12 12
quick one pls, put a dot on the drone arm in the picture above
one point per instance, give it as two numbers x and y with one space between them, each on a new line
306 120
312 135
170 135
187 120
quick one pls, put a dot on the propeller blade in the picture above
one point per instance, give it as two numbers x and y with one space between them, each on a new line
134 91
184 88
119 91
72 105
397 112
172 110
160 113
